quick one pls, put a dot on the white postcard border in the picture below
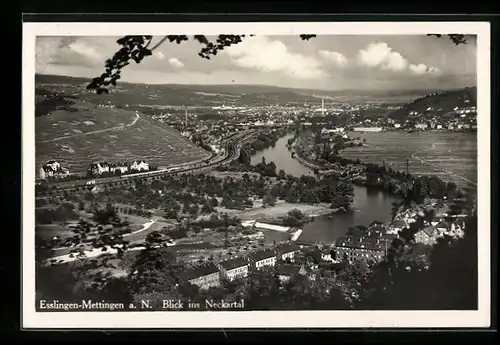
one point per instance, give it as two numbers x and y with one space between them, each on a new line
255 319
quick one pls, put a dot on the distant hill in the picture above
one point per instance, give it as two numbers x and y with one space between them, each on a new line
438 103
209 95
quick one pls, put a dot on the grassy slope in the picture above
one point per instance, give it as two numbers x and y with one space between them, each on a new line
147 139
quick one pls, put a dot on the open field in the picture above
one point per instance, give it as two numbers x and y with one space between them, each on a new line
281 209
451 156
143 139
88 119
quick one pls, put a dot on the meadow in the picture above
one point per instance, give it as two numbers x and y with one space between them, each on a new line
76 139
450 155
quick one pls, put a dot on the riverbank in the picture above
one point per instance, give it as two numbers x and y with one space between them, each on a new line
278 211
368 205
382 177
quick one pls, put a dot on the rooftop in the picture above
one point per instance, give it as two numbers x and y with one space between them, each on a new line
398 224
287 248
429 230
233 263
287 270
200 271
262 254
360 243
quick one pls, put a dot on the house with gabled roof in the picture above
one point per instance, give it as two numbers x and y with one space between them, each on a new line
52 169
205 276
287 251
361 248
396 226
427 235
261 258
98 168
120 167
234 268
140 165
287 271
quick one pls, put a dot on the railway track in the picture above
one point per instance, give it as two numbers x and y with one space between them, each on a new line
231 152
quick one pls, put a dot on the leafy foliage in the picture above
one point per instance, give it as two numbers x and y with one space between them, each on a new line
457 39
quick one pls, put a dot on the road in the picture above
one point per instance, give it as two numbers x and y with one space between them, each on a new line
232 152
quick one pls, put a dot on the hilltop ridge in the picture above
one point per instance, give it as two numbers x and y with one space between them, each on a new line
438 103
185 94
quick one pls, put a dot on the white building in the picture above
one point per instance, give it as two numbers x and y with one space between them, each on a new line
121 167
53 165
427 236
367 129
396 226
52 169
99 168
234 268
263 258
287 251
421 126
139 166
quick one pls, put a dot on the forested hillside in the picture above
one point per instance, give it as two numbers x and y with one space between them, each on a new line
441 102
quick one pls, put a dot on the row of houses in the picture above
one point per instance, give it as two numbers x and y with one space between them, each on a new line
361 248
372 244
439 226
100 168
210 274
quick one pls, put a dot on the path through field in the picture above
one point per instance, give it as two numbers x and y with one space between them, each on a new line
116 128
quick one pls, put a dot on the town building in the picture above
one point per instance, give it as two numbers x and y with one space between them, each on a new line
449 227
361 248
287 271
52 169
98 168
421 126
367 129
287 251
396 226
427 236
139 166
122 168
262 258
234 268
205 276
326 255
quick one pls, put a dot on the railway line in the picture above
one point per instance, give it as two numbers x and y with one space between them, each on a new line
230 152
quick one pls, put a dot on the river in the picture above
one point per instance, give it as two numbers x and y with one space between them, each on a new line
368 205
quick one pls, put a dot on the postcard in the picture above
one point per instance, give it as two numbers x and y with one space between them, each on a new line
256 175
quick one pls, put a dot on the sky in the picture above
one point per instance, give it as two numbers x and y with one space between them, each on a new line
361 62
